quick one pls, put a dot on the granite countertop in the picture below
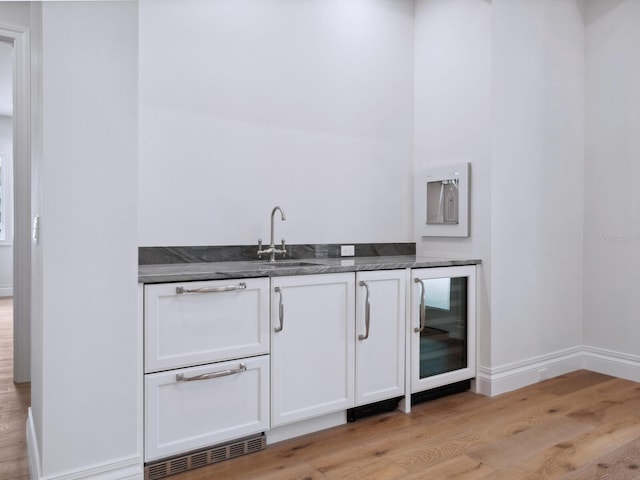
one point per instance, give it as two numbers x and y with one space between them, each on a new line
185 272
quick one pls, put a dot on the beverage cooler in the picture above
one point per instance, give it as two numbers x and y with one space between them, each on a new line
443 327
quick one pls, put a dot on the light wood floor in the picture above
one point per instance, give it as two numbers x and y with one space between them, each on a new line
14 401
579 426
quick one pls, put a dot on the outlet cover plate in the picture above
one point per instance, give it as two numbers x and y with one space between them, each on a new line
347 250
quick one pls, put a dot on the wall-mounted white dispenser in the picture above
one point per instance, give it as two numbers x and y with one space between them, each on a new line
441 201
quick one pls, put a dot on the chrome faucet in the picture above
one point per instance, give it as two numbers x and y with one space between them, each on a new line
272 250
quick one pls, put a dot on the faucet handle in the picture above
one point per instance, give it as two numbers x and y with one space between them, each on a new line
259 247
284 251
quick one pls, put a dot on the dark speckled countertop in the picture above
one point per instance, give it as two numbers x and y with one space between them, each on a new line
185 272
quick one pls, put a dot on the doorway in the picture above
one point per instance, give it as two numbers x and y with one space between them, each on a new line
6 177
15 206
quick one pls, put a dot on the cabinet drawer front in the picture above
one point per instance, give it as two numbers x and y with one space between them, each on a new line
210 405
203 322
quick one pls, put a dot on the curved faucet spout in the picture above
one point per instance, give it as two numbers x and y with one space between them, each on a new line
272 250
273 212
273 245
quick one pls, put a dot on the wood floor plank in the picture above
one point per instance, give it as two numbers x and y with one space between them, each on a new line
349 462
621 464
15 450
14 400
569 456
458 468
293 471
513 450
582 399
573 382
276 470
421 456
377 471
620 401
14 468
597 472
511 473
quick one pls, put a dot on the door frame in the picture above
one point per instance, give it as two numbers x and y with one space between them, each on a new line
20 37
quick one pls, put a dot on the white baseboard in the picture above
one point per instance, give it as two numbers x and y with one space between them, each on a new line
6 291
122 469
497 380
33 453
616 364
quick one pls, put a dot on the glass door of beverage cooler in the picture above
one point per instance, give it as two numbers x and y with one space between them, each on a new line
443 326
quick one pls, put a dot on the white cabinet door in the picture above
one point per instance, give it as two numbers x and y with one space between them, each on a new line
202 406
312 349
195 323
380 347
443 326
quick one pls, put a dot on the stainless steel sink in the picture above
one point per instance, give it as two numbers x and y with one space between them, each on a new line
285 264
251 268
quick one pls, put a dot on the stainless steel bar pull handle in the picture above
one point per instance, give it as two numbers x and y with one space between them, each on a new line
208 376
422 306
280 311
367 311
226 288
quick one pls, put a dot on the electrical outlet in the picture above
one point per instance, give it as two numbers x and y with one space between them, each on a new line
347 250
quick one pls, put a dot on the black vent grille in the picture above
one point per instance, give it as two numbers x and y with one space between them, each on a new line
201 458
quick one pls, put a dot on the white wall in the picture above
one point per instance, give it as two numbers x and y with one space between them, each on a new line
536 179
249 104
86 344
612 176
453 122
15 14
6 248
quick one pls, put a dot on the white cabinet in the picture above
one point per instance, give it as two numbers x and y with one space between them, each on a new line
201 406
193 323
206 363
380 335
312 346
443 326
232 358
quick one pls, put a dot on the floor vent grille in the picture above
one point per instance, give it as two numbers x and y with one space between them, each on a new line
201 458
